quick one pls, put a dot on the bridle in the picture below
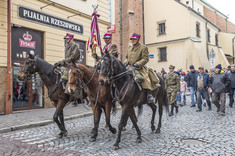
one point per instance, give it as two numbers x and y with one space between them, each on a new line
79 78
27 75
111 78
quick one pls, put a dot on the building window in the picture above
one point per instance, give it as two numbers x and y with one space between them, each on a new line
208 36
216 39
162 28
198 31
162 54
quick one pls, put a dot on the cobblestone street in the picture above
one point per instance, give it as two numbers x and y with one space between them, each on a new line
187 133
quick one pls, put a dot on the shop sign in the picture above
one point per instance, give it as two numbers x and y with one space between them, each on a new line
46 19
25 40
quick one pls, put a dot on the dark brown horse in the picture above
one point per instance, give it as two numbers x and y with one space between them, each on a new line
56 93
99 96
127 92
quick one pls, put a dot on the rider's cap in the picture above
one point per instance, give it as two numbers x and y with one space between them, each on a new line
107 35
172 67
68 36
135 36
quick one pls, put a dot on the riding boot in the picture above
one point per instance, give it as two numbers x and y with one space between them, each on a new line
176 107
172 110
150 98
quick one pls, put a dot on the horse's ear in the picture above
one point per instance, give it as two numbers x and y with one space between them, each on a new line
74 63
31 54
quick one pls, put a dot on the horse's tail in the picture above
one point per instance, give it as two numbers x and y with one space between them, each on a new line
114 110
165 101
140 110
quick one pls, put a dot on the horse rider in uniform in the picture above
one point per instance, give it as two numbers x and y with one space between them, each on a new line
110 47
172 84
72 53
137 57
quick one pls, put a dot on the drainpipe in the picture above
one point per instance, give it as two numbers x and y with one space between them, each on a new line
226 24
8 91
193 4
207 46
233 49
121 51
143 22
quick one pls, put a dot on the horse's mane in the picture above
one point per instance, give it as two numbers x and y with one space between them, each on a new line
123 67
46 69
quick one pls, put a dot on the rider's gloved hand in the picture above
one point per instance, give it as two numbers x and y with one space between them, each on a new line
126 64
58 63
136 65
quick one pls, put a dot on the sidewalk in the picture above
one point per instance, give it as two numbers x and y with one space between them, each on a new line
39 117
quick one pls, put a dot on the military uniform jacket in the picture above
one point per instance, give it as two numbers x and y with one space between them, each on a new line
112 49
71 53
140 55
172 83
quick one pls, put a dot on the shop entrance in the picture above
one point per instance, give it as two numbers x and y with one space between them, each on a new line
26 95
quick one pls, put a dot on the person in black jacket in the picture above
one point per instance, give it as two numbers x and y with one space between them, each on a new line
231 75
191 80
219 83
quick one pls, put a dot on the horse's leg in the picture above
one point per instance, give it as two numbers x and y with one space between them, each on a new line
134 121
97 113
61 116
154 109
57 113
160 110
120 126
108 108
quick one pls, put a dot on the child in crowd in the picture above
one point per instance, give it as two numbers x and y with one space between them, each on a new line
183 88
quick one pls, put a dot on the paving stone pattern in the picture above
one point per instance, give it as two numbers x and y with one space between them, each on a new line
186 134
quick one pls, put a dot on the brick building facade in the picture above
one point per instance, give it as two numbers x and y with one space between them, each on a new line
219 20
130 21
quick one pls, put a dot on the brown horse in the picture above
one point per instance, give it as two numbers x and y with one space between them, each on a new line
127 92
56 93
99 96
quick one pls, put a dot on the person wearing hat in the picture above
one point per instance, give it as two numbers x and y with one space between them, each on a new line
172 84
108 48
219 83
137 57
191 79
201 87
72 53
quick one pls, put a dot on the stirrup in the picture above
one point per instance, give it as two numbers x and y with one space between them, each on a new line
150 98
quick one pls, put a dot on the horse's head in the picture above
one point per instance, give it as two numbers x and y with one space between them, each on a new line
28 68
75 78
109 68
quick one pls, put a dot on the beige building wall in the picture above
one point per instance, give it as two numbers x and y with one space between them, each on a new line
53 37
176 28
184 47
226 43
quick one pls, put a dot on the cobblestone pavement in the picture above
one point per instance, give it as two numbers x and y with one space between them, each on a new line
187 133
37 117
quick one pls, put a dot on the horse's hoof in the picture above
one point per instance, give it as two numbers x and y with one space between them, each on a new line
123 128
65 133
153 128
133 126
60 135
116 147
158 131
92 139
139 140
114 131
106 126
